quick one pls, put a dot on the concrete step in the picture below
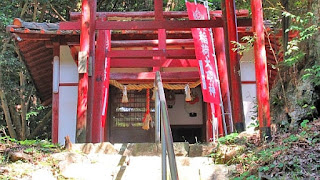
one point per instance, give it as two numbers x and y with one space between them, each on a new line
149 167
137 161
145 149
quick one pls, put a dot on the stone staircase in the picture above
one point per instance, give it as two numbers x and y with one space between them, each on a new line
137 161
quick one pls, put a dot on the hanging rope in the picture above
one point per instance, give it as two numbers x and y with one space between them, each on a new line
154 93
147 117
140 87
188 93
124 95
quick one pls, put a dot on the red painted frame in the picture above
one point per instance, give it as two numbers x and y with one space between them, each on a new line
55 103
98 77
234 64
261 70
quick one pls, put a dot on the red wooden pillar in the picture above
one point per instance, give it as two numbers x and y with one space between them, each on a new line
223 75
98 76
55 94
83 73
230 29
106 91
91 69
158 8
261 69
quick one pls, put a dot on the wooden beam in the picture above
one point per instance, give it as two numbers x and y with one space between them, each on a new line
152 43
139 62
153 25
149 76
181 53
146 14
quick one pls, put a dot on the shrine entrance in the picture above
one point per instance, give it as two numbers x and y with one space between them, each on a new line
187 119
126 118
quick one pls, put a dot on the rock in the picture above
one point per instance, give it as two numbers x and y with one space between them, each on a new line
105 148
89 148
181 148
300 95
197 150
15 156
67 143
142 149
4 170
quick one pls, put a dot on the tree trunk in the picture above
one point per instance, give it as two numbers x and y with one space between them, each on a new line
24 9
6 111
170 5
23 106
43 12
3 98
16 121
35 10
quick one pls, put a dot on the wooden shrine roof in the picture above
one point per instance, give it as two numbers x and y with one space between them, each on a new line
35 41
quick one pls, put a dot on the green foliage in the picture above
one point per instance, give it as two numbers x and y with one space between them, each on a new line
304 123
291 138
304 25
248 44
228 139
42 144
312 74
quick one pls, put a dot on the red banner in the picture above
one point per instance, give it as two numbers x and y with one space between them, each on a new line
106 78
205 54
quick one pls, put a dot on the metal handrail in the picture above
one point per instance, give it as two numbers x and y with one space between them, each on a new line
162 124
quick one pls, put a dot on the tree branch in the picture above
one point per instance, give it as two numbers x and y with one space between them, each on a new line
58 14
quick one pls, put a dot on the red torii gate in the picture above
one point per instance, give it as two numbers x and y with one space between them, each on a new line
89 125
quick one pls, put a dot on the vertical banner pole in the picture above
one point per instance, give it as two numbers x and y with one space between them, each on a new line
223 76
218 79
229 15
261 69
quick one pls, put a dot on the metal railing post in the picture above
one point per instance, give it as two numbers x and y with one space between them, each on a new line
157 117
166 135
163 155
